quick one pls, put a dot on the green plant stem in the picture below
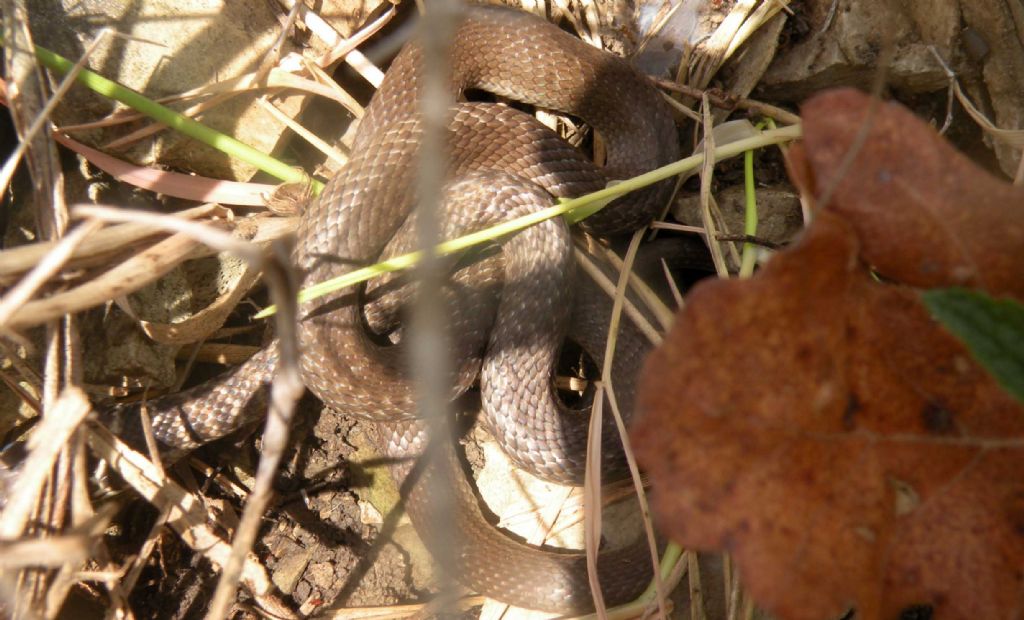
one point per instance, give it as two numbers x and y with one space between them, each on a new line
634 608
574 210
669 559
179 122
749 259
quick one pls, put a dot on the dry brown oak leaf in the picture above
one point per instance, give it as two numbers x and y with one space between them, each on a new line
818 425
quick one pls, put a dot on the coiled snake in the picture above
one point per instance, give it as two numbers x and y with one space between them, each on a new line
508 316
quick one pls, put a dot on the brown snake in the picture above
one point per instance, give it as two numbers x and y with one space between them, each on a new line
508 315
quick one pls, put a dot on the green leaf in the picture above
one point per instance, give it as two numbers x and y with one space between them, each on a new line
992 329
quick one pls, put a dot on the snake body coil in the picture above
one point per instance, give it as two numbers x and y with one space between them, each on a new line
508 316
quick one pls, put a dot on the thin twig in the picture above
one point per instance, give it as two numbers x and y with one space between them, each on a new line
606 377
46 442
44 270
727 103
606 285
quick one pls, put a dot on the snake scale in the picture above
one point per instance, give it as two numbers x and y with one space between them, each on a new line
509 313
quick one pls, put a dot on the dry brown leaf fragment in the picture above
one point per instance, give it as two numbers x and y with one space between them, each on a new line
926 215
821 427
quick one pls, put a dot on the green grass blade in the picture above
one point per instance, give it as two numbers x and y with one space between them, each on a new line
574 210
179 122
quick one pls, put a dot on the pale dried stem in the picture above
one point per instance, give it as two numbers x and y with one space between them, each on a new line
321 145
16 261
706 172
141 269
44 270
41 488
661 313
751 105
285 390
46 442
602 280
277 79
396 612
344 48
676 294
72 547
330 36
606 377
187 516
44 115
592 513
697 611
